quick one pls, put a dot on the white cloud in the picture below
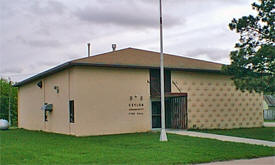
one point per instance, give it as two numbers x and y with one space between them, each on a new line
37 35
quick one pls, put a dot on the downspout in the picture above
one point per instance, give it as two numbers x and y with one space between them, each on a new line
69 96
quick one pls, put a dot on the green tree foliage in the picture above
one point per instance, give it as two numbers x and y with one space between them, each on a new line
253 61
8 92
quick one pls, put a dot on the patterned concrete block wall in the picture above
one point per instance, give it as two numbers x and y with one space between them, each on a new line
214 102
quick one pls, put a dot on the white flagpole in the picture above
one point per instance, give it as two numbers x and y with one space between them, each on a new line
163 136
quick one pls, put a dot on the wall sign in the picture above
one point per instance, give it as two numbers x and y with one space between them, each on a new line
136 105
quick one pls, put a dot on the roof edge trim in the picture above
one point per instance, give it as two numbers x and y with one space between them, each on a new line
43 74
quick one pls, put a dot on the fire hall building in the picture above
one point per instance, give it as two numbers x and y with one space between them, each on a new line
119 92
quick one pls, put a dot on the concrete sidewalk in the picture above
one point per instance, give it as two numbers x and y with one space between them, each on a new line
222 137
269 124
256 161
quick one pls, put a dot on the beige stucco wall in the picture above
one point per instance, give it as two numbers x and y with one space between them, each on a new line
213 101
102 100
117 100
31 99
58 119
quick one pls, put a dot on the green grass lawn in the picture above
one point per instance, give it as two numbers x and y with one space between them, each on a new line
19 146
263 133
269 120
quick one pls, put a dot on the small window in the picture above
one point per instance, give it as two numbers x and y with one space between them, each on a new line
71 111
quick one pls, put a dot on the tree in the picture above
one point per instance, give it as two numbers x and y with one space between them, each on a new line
6 92
253 61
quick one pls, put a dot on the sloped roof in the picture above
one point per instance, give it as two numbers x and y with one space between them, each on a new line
270 100
142 58
133 58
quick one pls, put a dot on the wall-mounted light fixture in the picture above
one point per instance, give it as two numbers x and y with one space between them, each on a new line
56 88
39 84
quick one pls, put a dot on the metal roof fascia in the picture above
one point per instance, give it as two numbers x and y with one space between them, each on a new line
145 67
43 74
68 64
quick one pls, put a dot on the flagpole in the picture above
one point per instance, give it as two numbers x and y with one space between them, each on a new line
163 136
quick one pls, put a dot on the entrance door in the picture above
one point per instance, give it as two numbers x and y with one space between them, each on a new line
156 114
178 112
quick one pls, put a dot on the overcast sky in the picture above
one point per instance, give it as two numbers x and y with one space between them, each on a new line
36 35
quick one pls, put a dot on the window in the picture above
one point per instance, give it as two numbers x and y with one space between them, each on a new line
71 111
155 82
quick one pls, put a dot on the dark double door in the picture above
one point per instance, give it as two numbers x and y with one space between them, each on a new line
175 113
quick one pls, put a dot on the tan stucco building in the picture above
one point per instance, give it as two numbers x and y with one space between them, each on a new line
118 92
